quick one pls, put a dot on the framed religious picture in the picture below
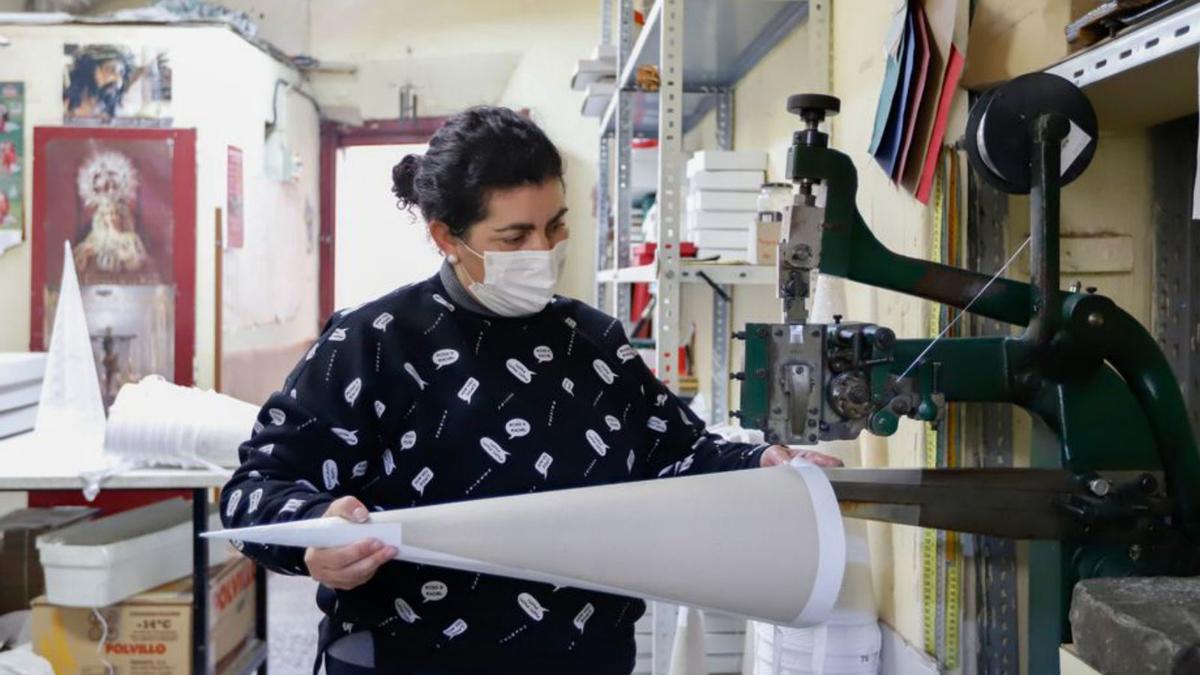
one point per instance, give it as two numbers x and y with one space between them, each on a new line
116 85
125 199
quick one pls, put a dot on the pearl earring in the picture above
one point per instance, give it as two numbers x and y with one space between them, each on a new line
452 259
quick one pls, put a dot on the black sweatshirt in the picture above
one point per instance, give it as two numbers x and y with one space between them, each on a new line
419 398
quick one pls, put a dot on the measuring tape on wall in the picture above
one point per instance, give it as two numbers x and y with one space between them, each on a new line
941 552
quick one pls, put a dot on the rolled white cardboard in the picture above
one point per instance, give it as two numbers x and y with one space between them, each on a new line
761 543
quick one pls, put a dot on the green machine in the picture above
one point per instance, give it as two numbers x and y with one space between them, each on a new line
1114 490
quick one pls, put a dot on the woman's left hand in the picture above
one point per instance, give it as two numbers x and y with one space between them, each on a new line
779 454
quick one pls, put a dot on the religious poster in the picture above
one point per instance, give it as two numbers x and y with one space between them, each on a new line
235 219
125 200
116 85
12 160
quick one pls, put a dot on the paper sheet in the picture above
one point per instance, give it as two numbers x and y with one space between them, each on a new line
940 17
688 541
893 51
918 99
893 134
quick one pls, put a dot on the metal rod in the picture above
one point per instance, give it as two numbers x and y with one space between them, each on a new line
1048 134
260 615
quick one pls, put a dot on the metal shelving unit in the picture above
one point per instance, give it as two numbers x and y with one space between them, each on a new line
702 49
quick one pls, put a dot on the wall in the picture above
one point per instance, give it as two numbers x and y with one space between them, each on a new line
271 283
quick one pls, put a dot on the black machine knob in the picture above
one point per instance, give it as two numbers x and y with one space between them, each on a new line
739 335
737 376
813 109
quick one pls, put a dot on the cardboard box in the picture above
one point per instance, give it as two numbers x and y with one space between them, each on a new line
720 220
735 181
21 578
150 633
727 160
710 200
740 255
20 389
706 239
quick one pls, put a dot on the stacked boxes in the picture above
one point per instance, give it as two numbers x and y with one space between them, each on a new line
722 202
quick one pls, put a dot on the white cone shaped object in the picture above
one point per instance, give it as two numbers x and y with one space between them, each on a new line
688 656
759 543
70 402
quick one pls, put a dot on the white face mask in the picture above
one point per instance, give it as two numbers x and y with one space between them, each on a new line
518 283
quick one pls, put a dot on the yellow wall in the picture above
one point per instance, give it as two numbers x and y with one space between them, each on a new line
222 87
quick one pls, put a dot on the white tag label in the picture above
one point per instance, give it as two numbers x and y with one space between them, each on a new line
796 334
1073 145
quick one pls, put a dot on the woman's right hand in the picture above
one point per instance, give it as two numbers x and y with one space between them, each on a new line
350 566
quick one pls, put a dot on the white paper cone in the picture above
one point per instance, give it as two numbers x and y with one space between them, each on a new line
761 543
688 652
70 404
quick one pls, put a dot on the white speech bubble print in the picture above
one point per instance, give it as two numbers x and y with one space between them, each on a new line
543 464
626 353
292 393
685 463
381 322
657 424
519 371
493 449
291 506
232 504
267 449
329 473
613 423
517 428
379 408
252 502
455 629
352 391
660 400
348 436
582 617
405 611
568 386
443 302
433 591
307 485
277 416
630 460
570 322
338 335
596 442
255 475
359 470
468 389
683 416
312 351
532 607
444 357
604 371
389 463
258 427
422 480
412 371
543 354
408 440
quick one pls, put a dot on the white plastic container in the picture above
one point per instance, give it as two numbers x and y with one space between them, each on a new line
727 239
736 181
742 221
727 160
712 200
102 562
21 376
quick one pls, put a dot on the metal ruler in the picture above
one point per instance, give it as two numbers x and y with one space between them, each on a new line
941 551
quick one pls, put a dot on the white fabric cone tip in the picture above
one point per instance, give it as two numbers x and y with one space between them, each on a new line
761 543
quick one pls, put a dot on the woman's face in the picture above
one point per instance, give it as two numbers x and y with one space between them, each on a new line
525 218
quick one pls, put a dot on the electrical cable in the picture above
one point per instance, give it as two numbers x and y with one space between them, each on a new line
103 638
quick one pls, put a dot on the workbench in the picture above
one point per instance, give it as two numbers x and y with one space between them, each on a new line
26 467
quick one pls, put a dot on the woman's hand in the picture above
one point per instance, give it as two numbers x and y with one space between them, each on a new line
350 566
780 454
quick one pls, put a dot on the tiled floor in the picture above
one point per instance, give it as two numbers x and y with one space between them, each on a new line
292 618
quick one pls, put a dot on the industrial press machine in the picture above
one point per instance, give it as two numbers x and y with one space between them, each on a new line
1114 486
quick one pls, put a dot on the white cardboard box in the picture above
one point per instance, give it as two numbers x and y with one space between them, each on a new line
707 239
710 200
720 220
727 160
20 389
739 181
598 95
102 562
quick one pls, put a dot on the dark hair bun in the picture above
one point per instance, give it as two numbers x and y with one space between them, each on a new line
404 175
476 151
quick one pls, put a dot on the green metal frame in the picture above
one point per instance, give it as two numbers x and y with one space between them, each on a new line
1094 378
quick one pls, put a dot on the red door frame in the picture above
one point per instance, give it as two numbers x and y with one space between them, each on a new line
335 136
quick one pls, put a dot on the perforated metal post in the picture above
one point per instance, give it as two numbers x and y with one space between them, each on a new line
670 190
603 221
624 143
722 308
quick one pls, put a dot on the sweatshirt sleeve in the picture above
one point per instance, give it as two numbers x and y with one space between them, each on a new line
314 441
683 445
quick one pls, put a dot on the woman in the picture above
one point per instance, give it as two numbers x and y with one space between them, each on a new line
477 382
